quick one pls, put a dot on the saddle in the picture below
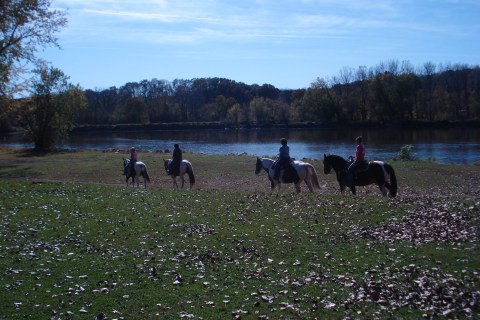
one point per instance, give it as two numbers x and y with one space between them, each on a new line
131 169
289 173
361 166
285 165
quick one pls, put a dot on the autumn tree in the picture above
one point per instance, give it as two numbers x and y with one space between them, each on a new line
49 115
25 27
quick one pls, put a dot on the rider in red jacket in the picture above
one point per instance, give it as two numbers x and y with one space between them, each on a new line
359 159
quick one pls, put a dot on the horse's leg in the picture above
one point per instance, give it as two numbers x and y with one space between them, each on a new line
272 183
354 191
383 189
297 187
175 185
183 180
342 187
308 181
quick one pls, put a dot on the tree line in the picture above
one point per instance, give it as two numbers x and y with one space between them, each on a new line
389 92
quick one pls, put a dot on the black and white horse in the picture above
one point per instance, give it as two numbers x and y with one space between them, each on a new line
185 167
140 169
296 172
378 172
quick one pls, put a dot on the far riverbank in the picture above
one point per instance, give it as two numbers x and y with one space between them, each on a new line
295 125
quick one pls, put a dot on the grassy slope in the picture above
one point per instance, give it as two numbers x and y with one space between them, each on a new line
230 248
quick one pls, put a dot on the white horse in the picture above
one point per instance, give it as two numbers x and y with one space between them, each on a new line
140 170
303 172
185 167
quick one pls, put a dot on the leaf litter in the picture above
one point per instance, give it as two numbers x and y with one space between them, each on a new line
271 255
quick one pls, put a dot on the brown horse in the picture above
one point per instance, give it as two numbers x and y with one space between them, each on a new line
377 172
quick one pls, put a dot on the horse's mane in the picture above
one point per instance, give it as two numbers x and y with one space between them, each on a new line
335 157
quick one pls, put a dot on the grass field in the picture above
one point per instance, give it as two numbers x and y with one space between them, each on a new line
76 243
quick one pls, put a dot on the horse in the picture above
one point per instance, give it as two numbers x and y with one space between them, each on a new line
377 172
140 170
296 172
185 167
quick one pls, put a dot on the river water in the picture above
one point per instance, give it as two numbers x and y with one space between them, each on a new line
450 145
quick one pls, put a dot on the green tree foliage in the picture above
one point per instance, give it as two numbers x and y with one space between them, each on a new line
7 113
405 153
134 110
49 115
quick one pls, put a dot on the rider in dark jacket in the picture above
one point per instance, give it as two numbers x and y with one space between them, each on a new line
283 158
174 166
133 160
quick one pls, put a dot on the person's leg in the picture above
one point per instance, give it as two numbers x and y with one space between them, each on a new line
176 168
349 177
132 168
278 168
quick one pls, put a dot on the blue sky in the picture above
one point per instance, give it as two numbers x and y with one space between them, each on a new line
284 43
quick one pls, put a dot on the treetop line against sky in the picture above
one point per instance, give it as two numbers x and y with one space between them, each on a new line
286 43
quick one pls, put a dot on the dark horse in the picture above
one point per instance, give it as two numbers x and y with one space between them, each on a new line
377 172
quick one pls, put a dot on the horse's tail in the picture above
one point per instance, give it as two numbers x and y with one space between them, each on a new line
313 173
393 180
191 176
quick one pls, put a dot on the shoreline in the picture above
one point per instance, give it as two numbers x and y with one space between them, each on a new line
174 126
300 125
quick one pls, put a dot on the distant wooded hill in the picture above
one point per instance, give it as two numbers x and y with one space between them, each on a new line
390 92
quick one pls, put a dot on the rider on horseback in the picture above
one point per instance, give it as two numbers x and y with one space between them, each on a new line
283 158
133 159
358 163
174 166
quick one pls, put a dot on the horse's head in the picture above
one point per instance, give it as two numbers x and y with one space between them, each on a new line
165 163
125 165
258 166
327 164
334 162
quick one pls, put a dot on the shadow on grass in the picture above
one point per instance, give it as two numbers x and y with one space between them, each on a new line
30 153
18 171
